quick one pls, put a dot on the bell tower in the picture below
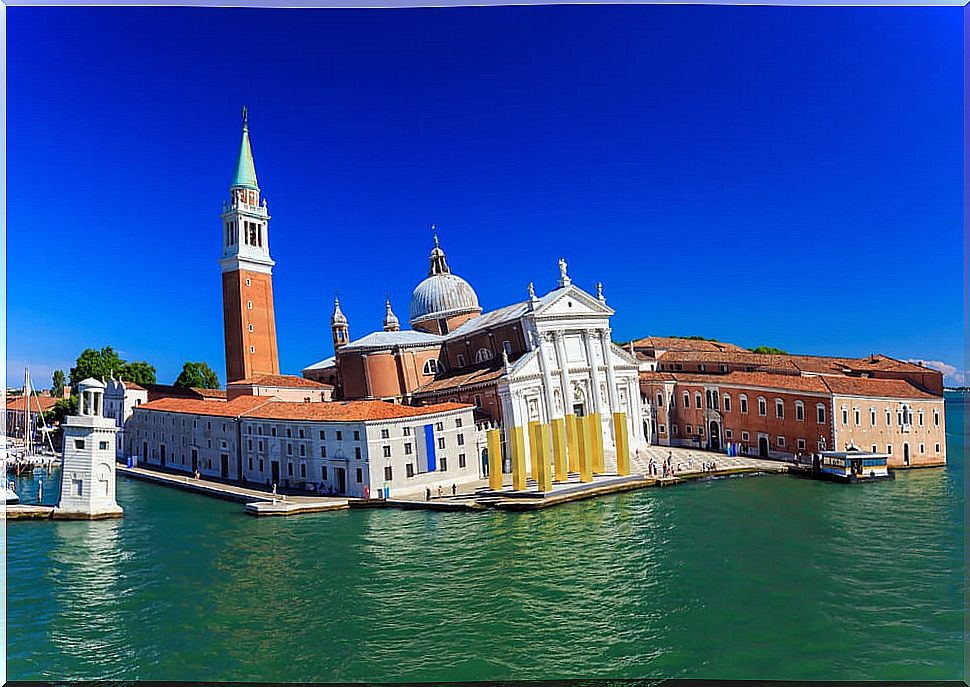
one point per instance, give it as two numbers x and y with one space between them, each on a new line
247 274
339 327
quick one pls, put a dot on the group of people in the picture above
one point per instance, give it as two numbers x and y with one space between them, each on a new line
427 492
666 467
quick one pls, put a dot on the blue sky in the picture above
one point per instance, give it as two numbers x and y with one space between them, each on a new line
782 176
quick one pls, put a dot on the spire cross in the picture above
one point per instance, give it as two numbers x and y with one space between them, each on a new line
245 116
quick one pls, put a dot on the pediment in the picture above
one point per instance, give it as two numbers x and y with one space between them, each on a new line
571 302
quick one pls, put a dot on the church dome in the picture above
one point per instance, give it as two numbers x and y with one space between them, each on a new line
442 294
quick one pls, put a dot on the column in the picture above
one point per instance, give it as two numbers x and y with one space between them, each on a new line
584 425
622 444
517 445
539 445
596 414
569 420
556 423
494 459
572 442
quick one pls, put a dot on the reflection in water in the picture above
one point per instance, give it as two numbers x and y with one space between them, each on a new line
766 577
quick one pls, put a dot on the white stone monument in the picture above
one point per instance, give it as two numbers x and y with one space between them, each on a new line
88 463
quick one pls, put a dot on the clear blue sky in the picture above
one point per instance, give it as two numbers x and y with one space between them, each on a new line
779 176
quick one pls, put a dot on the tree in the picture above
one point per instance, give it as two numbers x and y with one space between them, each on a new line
769 350
57 384
138 372
197 375
56 413
97 364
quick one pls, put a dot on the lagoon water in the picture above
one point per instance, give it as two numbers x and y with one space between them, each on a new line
754 577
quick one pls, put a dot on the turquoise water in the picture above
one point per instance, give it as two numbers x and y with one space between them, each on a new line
752 577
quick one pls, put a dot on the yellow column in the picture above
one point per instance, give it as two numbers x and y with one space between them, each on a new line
596 430
517 442
494 459
622 444
572 443
559 448
585 449
539 445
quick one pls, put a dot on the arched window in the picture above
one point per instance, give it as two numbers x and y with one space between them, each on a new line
820 413
799 411
430 367
762 406
482 355
727 403
744 403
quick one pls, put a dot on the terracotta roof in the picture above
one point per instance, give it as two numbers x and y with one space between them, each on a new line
132 385
657 376
734 357
348 411
673 343
282 381
157 391
880 388
884 362
234 408
17 404
480 374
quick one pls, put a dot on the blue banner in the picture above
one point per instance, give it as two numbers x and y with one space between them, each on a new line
430 448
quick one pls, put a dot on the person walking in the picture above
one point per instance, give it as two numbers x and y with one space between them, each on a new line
454 489
440 492
427 494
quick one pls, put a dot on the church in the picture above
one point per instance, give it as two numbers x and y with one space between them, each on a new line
546 359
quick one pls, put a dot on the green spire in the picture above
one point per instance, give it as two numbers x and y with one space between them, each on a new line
245 169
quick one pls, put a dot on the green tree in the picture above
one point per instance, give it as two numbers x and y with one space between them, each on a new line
57 384
197 375
97 364
56 413
138 372
769 350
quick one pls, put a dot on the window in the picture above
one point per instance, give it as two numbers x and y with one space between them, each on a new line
441 442
289 469
444 464
937 448
249 305
340 435
697 400
663 429
303 470
858 416
461 458
744 436
820 413
439 426
409 470
727 403
702 367
727 433
700 430
103 445
689 429
385 433
799 411
260 464
248 283
289 449
744 403
722 368
781 441
302 449
457 422
272 431
779 408
936 420
250 462
845 416
507 346
289 433
78 443
800 443
249 444
387 451
357 452
872 418
356 435
323 472
260 444
889 449
407 449
482 355
461 360
920 416
889 417
478 401
301 433
675 429
922 449
660 400
461 439
388 473
323 451
762 406
430 367
322 435
874 448
407 431
360 475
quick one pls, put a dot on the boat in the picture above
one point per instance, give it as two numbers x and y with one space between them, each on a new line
851 466
9 495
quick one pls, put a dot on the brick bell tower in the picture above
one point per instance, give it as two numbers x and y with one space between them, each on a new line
247 274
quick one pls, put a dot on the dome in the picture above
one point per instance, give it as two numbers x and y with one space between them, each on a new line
442 294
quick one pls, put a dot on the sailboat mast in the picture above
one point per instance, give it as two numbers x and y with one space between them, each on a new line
27 432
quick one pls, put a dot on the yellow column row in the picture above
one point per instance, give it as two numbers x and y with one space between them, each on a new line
539 448
584 444
596 429
494 459
572 443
